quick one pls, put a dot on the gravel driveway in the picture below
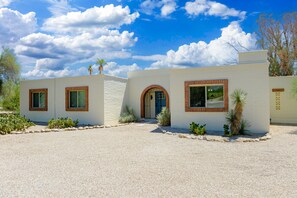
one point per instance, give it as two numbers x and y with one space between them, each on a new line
137 161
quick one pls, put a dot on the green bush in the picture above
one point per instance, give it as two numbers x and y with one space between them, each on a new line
13 122
197 128
164 117
62 123
127 116
11 96
227 130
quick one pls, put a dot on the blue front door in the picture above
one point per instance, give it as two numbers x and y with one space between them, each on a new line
160 101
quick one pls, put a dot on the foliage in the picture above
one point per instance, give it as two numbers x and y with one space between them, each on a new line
11 96
234 116
100 62
279 37
294 87
90 69
164 117
13 122
9 68
226 130
127 116
62 123
197 128
244 125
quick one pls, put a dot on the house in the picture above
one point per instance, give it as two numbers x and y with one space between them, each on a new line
192 94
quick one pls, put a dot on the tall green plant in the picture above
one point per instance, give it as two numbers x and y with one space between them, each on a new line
100 62
238 98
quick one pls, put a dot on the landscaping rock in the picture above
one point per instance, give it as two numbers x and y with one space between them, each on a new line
80 128
265 137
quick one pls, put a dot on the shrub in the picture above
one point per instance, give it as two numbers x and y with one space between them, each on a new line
13 122
164 117
244 125
127 116
11 96
197 128
62 123
226 130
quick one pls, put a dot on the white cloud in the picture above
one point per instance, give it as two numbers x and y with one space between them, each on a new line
154 57
14 25
56 52
109 16
166 7
212 8
113 69
219 51
60 7
4 3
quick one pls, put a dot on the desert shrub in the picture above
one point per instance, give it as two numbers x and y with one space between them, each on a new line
244 125
128 116
62 123
197 128
226 130
164 117
11 96
13 122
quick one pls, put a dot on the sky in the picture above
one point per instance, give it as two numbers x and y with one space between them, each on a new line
59 38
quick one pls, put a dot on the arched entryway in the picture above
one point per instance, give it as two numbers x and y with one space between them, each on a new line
152 100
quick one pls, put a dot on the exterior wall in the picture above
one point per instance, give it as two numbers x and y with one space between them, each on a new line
114 98
39 116
138 81
252 78
286 113
95 113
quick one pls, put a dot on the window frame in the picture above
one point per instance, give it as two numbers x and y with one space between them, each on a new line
67 98
205 83
31 92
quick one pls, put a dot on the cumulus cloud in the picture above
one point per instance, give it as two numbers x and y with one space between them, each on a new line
14 25
212 8
113 69
4 3
108 16
220 51
166 7
55 52
59 7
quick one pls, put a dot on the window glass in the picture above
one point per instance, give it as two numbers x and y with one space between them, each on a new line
35 100
73 99
81 99
197 96
42 100
215 96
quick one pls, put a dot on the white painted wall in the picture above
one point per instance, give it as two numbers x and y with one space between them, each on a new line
288 103
138 81
39 116
114 98
252 78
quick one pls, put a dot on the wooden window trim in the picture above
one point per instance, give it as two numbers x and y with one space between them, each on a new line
223 82
31 91
278 90
67 95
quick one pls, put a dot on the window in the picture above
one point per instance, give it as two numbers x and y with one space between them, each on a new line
77 98
38 100
206 96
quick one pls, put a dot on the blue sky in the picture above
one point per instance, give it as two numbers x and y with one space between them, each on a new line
56 38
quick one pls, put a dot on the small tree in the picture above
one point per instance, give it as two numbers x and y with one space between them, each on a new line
90 69
100 62
234 117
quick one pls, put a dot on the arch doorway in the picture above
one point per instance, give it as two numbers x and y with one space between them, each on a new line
153 99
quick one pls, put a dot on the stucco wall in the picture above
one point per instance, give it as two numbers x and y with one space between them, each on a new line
95 114
40 116
114 98
138 81
288 103
252 78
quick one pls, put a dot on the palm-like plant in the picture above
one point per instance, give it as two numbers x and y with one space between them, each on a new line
238 99
90 69
100 62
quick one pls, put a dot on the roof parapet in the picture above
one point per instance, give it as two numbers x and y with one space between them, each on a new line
259 56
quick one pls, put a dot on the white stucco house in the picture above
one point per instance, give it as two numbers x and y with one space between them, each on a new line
192 94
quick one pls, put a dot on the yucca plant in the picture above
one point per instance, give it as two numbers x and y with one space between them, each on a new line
238 99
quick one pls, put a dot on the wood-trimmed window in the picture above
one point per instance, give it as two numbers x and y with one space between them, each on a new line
206 96
77 98
38 99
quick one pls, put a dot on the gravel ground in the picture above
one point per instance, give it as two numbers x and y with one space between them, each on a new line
138 161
